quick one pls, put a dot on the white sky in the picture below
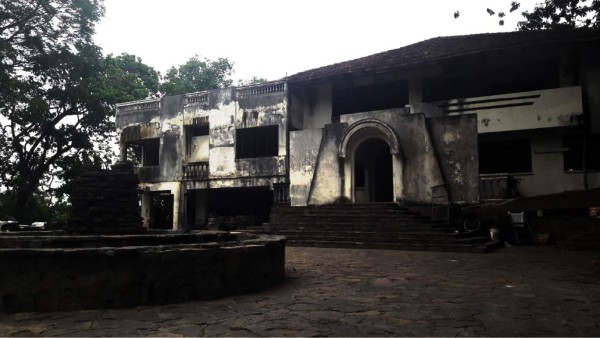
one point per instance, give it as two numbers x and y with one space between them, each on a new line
272 38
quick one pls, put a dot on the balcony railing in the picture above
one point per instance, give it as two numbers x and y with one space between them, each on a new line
281 193
497 187
195 171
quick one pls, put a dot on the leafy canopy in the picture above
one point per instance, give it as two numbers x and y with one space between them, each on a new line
197 75
554 14
57 93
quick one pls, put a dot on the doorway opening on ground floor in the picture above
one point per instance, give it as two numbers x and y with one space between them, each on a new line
373 173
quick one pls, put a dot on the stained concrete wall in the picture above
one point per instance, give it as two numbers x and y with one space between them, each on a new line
548 175
224 111
455 141
311 106
420 166
304 151
317 171
327 182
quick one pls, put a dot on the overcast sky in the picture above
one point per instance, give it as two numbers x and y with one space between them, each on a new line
272 38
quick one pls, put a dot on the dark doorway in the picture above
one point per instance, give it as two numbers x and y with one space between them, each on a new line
373 176
161 211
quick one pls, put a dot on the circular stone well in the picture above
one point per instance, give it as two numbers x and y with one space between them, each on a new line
59 272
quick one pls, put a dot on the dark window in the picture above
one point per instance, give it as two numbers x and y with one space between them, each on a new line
369 98
150 151
510 156
257 142
573 159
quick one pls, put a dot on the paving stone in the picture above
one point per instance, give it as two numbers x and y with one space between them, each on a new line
522 291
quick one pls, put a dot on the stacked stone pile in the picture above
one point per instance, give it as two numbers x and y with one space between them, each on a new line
106 201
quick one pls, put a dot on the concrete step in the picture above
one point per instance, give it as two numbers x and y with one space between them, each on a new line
479 248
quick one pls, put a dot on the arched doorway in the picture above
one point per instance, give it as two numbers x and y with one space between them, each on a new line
372 162
373 174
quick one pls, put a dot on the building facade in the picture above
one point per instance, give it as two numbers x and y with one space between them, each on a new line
469 118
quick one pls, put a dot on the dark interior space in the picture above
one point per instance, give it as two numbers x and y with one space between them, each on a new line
466 80
257 142
255 201
574 158
373 170
150 151
504 156
368 98
161 211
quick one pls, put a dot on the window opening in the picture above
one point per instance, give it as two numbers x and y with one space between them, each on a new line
257 142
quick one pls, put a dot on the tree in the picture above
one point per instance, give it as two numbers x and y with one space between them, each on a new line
554 14
197 75
562 14
58 93
252 81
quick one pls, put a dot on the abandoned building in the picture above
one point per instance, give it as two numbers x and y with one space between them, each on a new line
480 117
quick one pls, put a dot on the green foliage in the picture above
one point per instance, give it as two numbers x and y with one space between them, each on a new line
562 14
553 14
197 75
129 78
58 95
252 81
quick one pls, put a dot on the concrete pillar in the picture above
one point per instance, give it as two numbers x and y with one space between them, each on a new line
178 205
415 95
122 151
397 177
146 206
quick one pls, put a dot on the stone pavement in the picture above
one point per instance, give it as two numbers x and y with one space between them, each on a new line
517 291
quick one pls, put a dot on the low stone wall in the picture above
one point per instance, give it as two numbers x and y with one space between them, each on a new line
106 201
50 279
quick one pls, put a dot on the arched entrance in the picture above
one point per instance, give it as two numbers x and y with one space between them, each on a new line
372 162
373 174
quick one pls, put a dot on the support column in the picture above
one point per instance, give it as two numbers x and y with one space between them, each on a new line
415 95
178 206
146 206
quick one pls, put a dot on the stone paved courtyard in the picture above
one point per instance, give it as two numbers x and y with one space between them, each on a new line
517 291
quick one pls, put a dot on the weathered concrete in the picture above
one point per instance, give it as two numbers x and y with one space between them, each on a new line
455 141
304 149
518 291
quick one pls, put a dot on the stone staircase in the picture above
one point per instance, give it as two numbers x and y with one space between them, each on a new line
369 225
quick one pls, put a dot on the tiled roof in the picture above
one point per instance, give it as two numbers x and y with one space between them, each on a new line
442 48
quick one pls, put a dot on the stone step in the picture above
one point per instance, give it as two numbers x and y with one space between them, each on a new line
479 248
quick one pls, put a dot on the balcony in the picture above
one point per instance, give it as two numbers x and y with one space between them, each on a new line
497 187
195 171
548 108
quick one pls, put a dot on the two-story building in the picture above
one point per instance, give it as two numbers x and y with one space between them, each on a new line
478 117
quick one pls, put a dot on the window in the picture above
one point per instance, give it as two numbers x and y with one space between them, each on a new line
197 141
573 159
509 156
257 142
150 152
